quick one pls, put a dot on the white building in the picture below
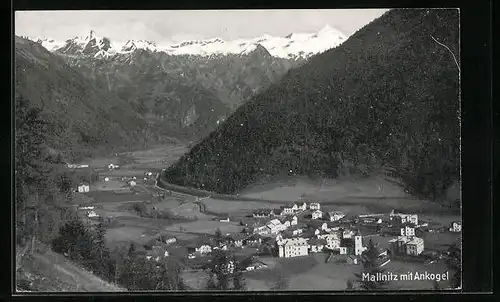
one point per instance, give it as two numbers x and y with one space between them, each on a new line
275 226
292 247
336 216
314 206
358 245
407 231
83 188
86 208
170 240
415 246
204 249
347 234
112 166
332 240
317 214
297 206
324 227
287 211
92 214
456 226
316 245
132 183
294 221
262 230
296 232
106 179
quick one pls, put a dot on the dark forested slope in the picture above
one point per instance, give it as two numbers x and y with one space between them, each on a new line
80 116
386 98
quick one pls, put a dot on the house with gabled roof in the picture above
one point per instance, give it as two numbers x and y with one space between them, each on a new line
316 245
314 206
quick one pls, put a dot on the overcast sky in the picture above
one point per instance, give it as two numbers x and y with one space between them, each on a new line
176 25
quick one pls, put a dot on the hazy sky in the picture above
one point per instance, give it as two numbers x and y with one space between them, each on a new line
179 25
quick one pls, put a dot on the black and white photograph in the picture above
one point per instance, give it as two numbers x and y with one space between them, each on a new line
271 150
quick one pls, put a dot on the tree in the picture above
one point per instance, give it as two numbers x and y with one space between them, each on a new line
238 278
218 236
349 285
371 266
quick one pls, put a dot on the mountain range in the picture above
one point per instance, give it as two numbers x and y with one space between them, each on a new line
293 46
151 91
387 99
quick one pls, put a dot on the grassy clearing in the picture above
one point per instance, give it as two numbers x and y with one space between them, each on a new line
234 206
293 188
206 227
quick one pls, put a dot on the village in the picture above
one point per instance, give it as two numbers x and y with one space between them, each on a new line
259 238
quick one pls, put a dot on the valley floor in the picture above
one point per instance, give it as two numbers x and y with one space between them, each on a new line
197 217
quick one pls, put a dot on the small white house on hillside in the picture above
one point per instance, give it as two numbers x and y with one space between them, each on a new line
83 188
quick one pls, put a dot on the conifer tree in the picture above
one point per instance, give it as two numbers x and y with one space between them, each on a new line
371 266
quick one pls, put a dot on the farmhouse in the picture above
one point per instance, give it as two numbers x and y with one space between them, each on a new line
456 226
288 210
132 183
332 240
83 188
224 219
262 230
86 208
237 239
317 214
262 213
335 216
372 220
112 166
157 253
347 234
275 226
301 207
316 245
292 247
404 218
294 221
106 178
351 259
92 214
314 206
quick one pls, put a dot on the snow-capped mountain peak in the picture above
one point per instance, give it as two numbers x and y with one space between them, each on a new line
292 46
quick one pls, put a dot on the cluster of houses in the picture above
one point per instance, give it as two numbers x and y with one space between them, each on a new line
280 229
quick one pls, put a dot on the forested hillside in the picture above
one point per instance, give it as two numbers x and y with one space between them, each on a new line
387 98
81 116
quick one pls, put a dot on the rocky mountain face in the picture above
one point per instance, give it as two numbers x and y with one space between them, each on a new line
233 71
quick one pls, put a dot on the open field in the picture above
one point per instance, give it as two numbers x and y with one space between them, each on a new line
311 273
234 206
206 227
293 188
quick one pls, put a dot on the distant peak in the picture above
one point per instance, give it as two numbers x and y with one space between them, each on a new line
91 35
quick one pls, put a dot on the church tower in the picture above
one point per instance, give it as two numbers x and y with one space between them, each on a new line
358 244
